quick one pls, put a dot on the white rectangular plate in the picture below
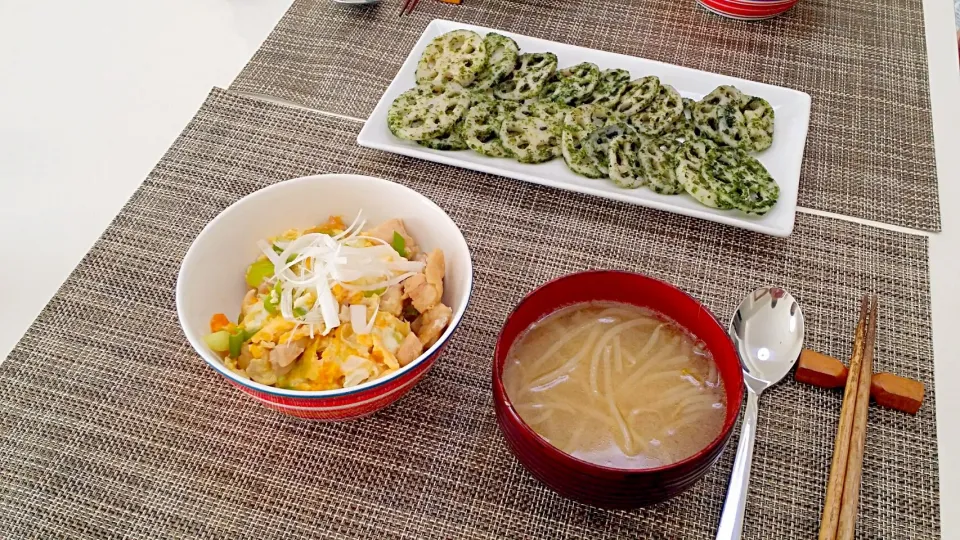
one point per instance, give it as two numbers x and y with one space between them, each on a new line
792 112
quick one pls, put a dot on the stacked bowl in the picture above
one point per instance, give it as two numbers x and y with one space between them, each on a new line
748 10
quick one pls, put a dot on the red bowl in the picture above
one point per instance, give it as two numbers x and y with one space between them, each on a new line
740 11
345 405
586 482
762 4
775 9
770 5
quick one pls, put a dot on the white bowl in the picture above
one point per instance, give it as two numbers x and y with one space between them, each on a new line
211 278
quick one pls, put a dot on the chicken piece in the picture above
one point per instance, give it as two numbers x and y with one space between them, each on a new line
431 323
282 356
435 269
422 294
391 300
425 298
410 349
413 282
264 287
260 371
385 231
245 356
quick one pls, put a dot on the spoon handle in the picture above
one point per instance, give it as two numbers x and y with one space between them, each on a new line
731 521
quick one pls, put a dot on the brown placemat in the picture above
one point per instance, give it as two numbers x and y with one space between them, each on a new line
869 151
110 426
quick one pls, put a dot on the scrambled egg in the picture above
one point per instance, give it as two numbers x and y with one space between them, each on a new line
320 366
272 349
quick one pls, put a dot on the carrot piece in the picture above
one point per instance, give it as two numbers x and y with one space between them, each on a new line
333 225
219 322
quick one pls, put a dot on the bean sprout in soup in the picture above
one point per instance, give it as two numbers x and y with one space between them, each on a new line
616 385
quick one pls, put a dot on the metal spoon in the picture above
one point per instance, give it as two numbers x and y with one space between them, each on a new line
767 331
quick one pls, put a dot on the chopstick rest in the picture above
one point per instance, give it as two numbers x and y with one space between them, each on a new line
888 390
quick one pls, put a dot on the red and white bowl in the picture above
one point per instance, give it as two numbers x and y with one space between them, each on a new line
748 9
211 276
587 482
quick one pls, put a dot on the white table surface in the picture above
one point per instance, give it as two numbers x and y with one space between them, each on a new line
81 80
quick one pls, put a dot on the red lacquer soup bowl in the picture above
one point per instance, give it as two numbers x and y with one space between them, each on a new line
588 482
211 277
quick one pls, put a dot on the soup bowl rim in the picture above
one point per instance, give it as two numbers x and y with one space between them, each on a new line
500 356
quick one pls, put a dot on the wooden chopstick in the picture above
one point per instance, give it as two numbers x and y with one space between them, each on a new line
408 7
830 518
851 484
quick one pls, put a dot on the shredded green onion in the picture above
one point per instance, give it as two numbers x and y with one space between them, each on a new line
368 294
235 342
271 301
399 244
259 271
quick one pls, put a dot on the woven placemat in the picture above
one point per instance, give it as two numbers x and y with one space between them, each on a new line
869 151
111 426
